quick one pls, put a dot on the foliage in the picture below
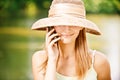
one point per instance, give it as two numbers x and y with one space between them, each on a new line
90 7
43 4
109 6
18 7
12 7
103 6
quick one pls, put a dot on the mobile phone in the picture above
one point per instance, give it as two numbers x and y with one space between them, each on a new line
49 29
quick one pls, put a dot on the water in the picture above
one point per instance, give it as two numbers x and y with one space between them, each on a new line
17 44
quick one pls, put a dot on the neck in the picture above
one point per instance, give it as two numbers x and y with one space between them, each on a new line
67 50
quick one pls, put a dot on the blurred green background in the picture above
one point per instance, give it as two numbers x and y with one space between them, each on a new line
18 42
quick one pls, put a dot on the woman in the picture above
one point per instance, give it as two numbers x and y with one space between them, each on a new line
66 55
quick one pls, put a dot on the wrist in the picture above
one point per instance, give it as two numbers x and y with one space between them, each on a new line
52 60
52 64
51 70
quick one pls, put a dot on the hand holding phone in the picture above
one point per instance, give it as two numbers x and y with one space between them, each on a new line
52 39
54 32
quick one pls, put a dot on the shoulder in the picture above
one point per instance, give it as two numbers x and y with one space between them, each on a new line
41 53
102 66
39 57
100 58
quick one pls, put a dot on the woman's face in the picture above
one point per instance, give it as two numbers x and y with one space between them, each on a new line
67 34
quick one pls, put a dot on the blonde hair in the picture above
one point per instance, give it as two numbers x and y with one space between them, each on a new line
83 59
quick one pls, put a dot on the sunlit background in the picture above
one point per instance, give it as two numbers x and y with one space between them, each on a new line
18 42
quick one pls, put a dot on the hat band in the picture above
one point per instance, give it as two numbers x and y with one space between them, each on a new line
65 9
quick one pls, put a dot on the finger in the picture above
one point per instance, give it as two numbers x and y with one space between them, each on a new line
53 36
50 32
54 41
50 38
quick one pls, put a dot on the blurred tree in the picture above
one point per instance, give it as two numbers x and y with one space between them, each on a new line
109 6
18 7
90 6
42 4
12 7
116 4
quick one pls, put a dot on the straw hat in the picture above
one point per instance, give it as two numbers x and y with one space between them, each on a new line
67 12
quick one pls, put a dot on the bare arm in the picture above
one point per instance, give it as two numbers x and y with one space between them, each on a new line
51 70
102 67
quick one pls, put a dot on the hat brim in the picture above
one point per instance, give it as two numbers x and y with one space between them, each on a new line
70 21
